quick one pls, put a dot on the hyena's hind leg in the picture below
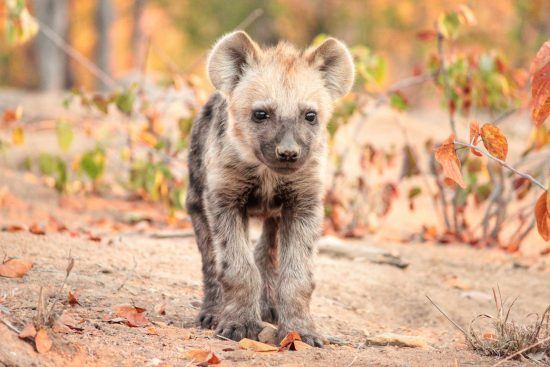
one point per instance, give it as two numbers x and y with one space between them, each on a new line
267 259
212 299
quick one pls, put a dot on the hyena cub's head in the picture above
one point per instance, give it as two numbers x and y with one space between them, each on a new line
280 99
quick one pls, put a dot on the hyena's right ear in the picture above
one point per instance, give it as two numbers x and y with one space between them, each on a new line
228 59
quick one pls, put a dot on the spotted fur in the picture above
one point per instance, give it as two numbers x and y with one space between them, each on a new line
236 171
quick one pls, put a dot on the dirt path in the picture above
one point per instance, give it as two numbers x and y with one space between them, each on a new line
353 299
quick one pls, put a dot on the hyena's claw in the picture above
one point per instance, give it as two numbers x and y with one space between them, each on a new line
313 340
208 319
238 331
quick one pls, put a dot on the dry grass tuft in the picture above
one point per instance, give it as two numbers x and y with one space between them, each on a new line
501 337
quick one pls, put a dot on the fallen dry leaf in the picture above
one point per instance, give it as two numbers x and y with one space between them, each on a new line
256 346
397 340
134 316
12 228
73 298
474 137
447 158
542 216
202 357
293 341
42 341
15 268
495 141
36 229
29 331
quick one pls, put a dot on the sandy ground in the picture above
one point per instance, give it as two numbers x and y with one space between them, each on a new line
354 298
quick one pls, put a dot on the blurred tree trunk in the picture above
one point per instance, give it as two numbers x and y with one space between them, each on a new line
137 33
52 61
103 20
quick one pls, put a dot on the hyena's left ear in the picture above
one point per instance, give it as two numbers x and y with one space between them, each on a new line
333 59
228 58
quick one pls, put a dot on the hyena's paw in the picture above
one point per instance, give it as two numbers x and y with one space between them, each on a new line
208 317
235 330
310 337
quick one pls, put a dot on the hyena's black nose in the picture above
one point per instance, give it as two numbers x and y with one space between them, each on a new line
287 154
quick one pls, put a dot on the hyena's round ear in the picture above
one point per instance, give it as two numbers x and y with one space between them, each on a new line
333 59
228 58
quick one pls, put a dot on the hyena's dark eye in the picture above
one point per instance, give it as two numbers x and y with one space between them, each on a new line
260 116
311 116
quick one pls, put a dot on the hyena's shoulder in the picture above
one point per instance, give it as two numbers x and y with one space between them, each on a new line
208 128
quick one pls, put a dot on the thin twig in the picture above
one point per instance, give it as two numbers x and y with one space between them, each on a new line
443 72
502 163
10 326
448 318
519 352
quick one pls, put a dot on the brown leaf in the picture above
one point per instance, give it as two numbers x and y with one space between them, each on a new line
495 141
36 229
202 357
474 137
540 93
135 316
447 158
28 331
12 228
73 298
256 346
300 345
42 341
542 215
15 268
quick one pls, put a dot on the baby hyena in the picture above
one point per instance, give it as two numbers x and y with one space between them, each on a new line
258 149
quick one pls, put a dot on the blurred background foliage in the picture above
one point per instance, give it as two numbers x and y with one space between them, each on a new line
114 33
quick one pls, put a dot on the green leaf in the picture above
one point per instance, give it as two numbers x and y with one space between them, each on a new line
92 163
65 134
55 167
125 101
414 192
449 25
398 101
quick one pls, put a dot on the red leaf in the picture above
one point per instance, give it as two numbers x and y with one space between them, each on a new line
540 93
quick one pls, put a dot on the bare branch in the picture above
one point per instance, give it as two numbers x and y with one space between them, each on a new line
502 163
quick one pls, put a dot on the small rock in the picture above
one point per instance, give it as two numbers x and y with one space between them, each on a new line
397 340
269 334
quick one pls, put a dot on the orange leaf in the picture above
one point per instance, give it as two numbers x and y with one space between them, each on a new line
256 346
36 229
540 93
446 156
28 332
42 341
202 357
495 141
12 115
300 345
15 268
73 298
135 316
474 137
542 215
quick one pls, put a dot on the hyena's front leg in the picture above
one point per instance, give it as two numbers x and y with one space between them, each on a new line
211 303
237 272
300 228
267 260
